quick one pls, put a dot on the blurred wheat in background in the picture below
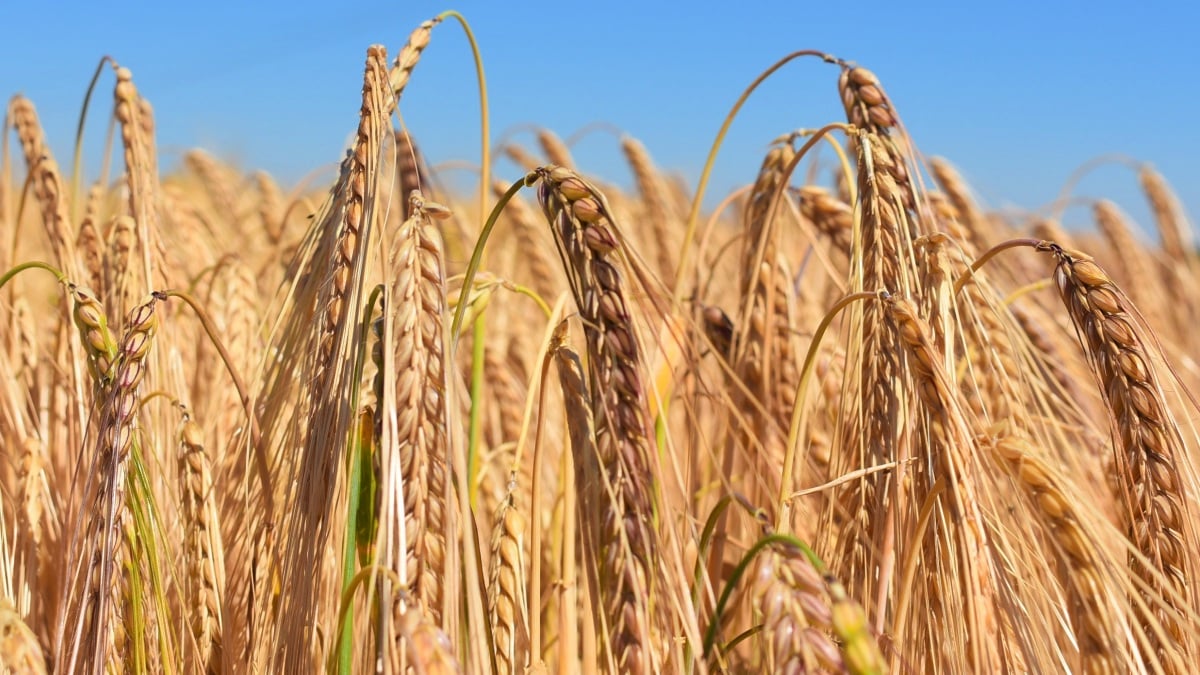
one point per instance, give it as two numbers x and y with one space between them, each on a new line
847 421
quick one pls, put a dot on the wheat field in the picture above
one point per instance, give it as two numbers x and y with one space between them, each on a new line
849 420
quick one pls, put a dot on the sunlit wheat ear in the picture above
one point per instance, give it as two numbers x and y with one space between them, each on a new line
120 274
320 328
20 653
794 609
271 208
203 547
967 210
141 168
832 217
507 604
1091 599
1173 228
766 362
47 184
89 244
532 242
420 442
95 605
868 108
409 54
950 445
424 647
410 171
1149 447
1134 266
656 206
554 149
763 362
882 259
623 544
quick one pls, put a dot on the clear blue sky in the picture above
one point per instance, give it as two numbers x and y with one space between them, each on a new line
1017 94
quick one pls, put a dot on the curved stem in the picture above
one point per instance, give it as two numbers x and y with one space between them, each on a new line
262 464
33 264
810 361
698 198
1040 244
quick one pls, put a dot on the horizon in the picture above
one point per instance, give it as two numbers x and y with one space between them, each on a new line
281 93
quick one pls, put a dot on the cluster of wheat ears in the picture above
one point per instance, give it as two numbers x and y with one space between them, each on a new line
857 425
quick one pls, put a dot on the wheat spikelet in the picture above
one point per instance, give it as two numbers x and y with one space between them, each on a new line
831 216
96 604
424 646
1173 227
507 604
1128 254
203 548
20 653
790 597
554 149
1090 605
322 322
141 171
967 211
418 295
409 54
521 157
90 243
657 210
529 240
871 436
1155 510
952 443
626 546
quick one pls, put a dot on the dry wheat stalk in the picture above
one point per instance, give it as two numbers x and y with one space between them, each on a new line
1154 505
625 545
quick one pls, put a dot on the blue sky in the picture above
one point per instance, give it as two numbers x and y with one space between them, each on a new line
1016 94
